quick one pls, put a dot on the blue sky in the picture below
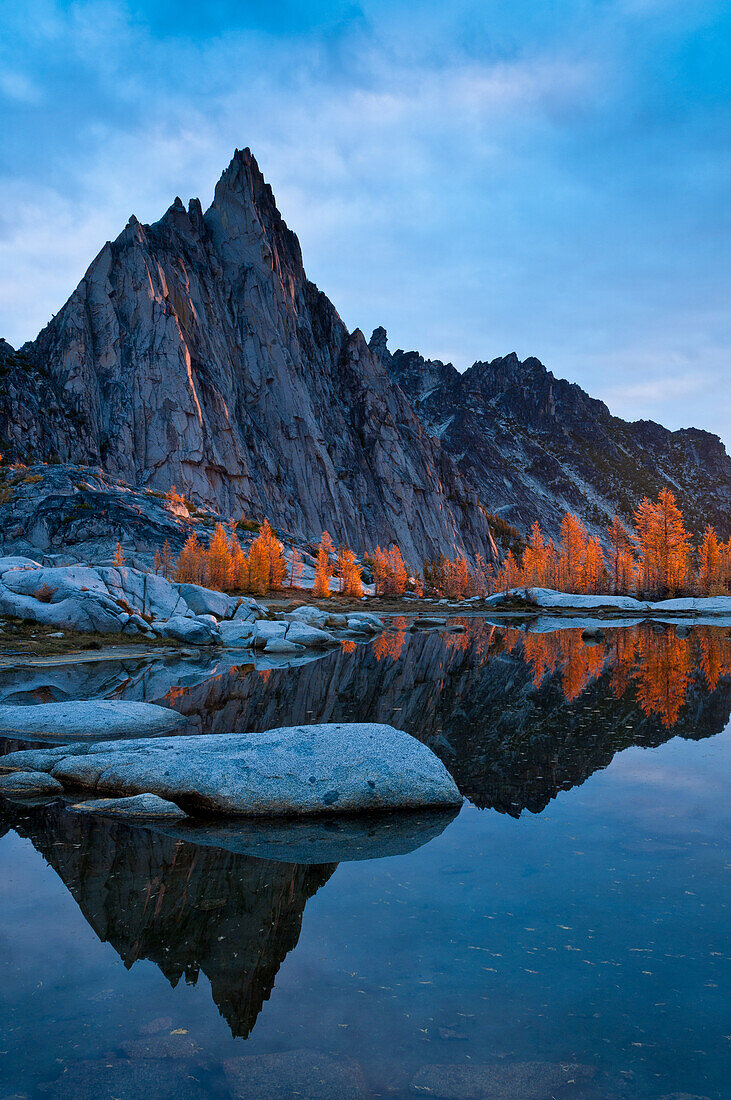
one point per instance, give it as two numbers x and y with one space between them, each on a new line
549 178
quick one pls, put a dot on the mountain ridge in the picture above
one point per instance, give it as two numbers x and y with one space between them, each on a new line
195 352
536 446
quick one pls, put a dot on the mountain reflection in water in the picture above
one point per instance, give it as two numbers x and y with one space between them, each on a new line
592 935
180 905
516 717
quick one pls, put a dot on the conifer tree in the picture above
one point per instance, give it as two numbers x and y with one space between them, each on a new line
396 572
166 561
671 542
323 569
295 566
118 559
351 582
710 577
619 548
191 562
593 566
533 572
379 564
573 548
219 559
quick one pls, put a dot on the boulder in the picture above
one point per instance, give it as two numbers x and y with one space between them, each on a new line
314 616
16 562
280 644
318 769
236 632
306 635
145 592
137 805
206 601
96 720
426 622
191 631
29 783
265 630
250 610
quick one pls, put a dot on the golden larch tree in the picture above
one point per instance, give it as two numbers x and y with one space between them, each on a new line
323 568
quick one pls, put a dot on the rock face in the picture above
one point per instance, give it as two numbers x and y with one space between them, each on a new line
195 352
70 513
535 446
336 768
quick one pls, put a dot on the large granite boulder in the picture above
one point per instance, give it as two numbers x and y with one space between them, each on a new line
335 768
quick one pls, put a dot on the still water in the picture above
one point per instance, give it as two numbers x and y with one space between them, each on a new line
564 935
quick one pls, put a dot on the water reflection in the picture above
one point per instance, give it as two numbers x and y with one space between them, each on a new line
592 935
516 716
188 908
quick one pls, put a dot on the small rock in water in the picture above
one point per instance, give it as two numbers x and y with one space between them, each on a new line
161 1046
154 1027
137 805
79 720
28 783
499 1080
125 1080
305 1074
282 645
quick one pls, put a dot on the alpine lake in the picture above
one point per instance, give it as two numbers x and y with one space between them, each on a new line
565 934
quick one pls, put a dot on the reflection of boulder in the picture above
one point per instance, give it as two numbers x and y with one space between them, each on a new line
312 840
189 909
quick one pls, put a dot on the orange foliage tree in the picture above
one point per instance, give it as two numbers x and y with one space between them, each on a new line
572 551
351 581
323 569
710 574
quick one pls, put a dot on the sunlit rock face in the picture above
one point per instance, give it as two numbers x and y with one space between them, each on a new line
535 446
195 352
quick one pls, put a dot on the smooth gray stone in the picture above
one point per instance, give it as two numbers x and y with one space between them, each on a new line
98 719
29 783
265 630
137 805
429 621
236 633
306 635
192 631
282 645
207 601
335 768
